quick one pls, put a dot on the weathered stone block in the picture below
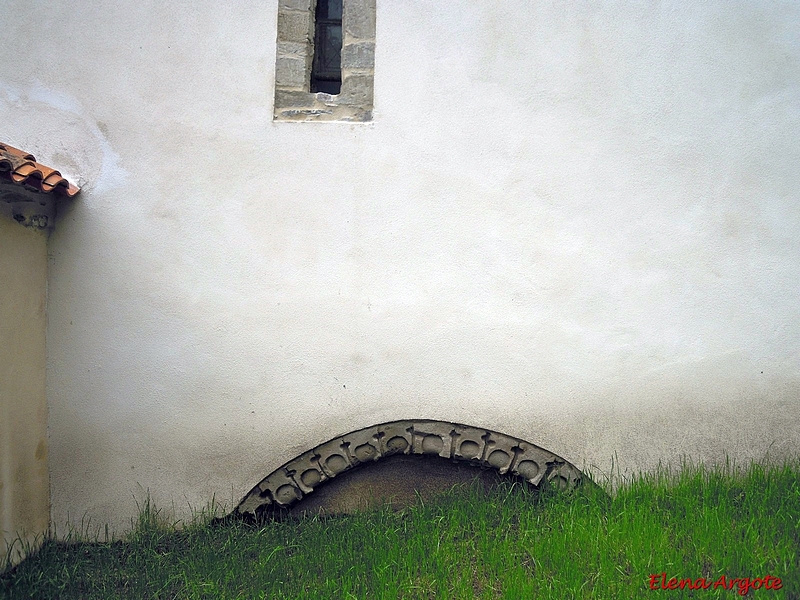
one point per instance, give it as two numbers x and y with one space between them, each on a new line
363 446
359 19
501 452
564 477
281 487
433 438
254 501
359 55
293 49
397 437
295 4
294 99
290 71
532 463
470 443
307 472
356 115
333 458
294 26
357 90
304 114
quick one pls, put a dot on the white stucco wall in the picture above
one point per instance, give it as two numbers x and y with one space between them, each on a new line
576 223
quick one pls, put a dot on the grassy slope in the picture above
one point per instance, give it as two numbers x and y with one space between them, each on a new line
505 543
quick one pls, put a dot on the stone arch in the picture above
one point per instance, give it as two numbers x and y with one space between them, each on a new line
481 447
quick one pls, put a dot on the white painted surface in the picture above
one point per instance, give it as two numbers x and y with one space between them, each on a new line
575 223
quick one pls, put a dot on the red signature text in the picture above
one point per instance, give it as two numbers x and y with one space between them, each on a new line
742 585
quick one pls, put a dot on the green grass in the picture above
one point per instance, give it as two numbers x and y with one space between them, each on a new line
507 542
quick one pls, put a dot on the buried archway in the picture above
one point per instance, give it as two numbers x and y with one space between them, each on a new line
506 455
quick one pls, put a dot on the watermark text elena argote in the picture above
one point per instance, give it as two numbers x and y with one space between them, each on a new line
741 585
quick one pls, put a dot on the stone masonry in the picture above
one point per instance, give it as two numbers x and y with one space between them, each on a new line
295 51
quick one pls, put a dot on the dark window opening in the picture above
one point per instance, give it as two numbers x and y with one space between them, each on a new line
326 70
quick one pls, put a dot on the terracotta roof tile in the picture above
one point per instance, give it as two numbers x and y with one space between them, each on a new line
21 168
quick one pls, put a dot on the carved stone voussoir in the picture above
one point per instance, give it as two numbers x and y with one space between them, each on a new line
481 447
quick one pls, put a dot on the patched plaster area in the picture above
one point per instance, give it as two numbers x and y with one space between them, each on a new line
61 131
452 441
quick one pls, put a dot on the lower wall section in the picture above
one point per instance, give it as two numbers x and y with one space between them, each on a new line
108 457
24 487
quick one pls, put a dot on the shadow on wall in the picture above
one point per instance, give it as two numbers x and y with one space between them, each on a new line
405 443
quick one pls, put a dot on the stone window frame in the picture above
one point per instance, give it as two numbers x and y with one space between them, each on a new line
295 53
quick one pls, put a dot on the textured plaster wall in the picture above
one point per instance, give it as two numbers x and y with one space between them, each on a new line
573 223
24 489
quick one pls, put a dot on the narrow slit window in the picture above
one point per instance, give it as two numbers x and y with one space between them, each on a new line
326 70
325 60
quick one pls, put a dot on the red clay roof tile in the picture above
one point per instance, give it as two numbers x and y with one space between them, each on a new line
21 168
